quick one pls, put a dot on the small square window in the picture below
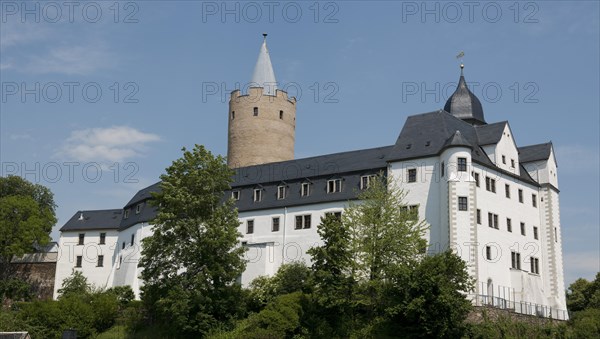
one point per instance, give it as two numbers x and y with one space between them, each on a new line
535 232
280 192
100 261
412 175
493 220
257 195
512 163
522 228
334 186
78 261
305 189
102 238
280 114
504 159
535 265
515 259
462 204
478 216
303 221
275 224
507 190
138 208
490 184
534 200
298 224
488 253
250 226
81 238
126 214
255 111
462 164
235 195
509 225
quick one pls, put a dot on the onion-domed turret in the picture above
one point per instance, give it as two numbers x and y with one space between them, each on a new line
463 104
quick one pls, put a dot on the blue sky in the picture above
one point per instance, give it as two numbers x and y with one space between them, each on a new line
359 68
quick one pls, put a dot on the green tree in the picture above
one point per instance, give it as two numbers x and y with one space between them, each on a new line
292 277
193 259
584 294
26 219
75 284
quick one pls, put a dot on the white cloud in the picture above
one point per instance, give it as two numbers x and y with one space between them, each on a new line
113 144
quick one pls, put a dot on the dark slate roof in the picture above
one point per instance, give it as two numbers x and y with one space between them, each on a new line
463 104
491 133
92 220
324 165
143 194
457 140
535 152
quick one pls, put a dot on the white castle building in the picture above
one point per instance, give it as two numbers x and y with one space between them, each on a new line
495 203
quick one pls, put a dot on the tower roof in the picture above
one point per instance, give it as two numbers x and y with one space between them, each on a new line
463 104
263 75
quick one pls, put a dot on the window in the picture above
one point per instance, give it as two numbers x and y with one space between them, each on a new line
249 226
522 228
138 208
302 221
337 215
100 261
78 261
520 195
509 225
365 181
535 265
515 260
493 220
535 232
476 175
504 159
132 239
102 238
232 115
507 190
123 246
555 235
478 216
126 214
257 195
512 163
235 195
305 189
490 184
255 111
280 192
443 169
488 253
280 114
275 224
334 185
462 164
412 175
81 237
462 204
534 200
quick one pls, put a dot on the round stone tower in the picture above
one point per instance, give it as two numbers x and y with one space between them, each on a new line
262 122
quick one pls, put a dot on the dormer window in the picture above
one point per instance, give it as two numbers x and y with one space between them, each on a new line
305 189
235 195
257 195
126 214
462 164
280 192
334 185
365 181
138 208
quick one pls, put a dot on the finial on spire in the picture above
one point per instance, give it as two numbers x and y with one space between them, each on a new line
265 36
462 66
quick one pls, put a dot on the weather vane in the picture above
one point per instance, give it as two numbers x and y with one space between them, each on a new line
460 56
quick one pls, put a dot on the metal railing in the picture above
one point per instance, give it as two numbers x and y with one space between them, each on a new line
521 307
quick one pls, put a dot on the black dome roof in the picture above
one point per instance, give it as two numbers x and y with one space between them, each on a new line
464 105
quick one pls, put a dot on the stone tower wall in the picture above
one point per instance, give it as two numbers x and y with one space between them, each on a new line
263 138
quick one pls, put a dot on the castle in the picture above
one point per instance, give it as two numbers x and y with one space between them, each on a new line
495 203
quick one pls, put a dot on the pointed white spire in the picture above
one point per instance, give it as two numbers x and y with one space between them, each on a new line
263 71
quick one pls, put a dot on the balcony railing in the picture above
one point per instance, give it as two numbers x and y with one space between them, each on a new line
520 307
